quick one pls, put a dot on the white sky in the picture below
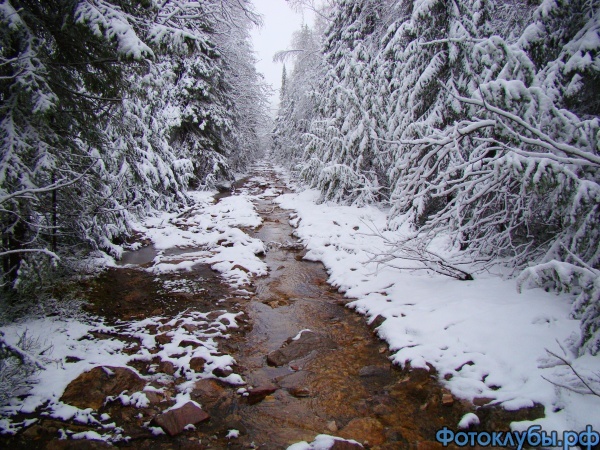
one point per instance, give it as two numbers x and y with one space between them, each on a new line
279 23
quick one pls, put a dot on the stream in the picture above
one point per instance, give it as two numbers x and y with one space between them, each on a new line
340 382
311 365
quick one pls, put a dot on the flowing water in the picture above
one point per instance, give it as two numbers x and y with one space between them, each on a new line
346 387
334 379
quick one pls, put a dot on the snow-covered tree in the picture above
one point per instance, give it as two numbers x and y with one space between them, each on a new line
482 117
342 156
110 109
514 176
298 103
245 87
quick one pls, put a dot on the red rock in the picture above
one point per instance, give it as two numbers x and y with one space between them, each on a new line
208 392
166 367
90 389
175 420
299 392
154 397
345 445
377 322
163 339
332 426
480 401
222 371
258 394
197 364
364 429
447 399
189 343
295 349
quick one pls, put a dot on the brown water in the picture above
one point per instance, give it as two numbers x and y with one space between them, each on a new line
394 410
341 384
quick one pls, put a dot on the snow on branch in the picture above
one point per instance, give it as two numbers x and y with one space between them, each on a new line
544 140
108 20
577 382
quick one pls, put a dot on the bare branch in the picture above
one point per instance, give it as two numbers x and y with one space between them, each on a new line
589 389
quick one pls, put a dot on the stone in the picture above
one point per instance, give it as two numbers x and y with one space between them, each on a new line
90 389
208 392
377 321
163 339
447 399
189 343
345 445
174 421
155 397
295 383
304 345
258 394
43 430
373 371
197 364
299 392
480 401
365 430
166 367
222 372
332 426
72 359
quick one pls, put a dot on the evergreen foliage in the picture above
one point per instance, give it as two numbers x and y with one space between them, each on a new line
110 109
477 120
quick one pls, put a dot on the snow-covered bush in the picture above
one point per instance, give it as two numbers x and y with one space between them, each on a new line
17 367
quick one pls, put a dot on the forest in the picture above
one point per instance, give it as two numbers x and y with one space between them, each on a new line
476 119
439 159
111 110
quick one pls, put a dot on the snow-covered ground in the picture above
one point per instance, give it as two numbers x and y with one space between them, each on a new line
484 338
205 233
75 349
212 229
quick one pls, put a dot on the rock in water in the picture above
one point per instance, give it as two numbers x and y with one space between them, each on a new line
364 429
306 343
258 394
345 445
373 371
175 420
208 393
90 389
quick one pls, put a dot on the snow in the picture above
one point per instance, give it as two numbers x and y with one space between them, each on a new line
206 233
210 234
295 338
321 442
73 338
468 420
233 434
488 339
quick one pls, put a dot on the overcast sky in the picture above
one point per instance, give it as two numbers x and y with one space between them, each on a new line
280 22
